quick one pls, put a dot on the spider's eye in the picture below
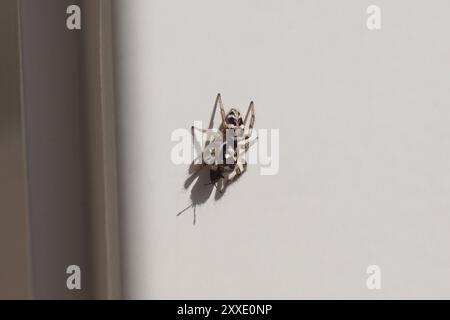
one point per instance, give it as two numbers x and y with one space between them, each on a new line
232 121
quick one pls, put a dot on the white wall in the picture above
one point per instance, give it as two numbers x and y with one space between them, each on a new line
364 161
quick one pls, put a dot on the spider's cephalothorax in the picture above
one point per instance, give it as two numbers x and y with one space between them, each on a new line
234 139
233 119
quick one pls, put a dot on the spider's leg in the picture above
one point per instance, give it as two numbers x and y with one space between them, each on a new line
198 129
241 164
250 115
189 206
222 110
197 146
211 133
244 146
222 187
195 214
248 144
219 103
233 173
240 168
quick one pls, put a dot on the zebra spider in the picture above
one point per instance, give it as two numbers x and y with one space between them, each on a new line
223 154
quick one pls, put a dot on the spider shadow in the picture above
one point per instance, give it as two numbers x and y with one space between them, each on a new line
202 188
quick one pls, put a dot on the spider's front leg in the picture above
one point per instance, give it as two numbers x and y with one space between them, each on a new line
245 144
193 128
239 168
197 146
222 109
211 136
250 116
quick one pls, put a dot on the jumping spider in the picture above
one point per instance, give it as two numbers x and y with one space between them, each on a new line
223 153
231 140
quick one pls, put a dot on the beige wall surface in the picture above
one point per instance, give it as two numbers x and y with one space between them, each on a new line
70 140
58 217
15 280
99 155
57 155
